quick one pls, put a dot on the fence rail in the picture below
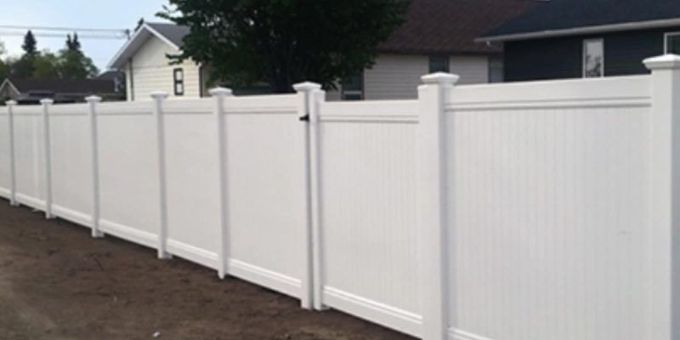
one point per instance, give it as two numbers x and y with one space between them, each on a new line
528 211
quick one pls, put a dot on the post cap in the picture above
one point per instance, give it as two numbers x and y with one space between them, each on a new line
306 87
11 102
221 91
440 78
93 99
46 101
159 95
664 62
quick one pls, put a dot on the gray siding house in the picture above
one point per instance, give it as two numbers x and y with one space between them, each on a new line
587 38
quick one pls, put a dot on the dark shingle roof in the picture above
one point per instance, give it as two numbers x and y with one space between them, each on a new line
451 26
172 32
432 26
551 15
80 86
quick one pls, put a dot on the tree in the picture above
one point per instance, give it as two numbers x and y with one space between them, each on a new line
4 66
47 65
284 41
74 64
24 67
30 45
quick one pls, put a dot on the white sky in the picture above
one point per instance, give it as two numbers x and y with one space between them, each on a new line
108 14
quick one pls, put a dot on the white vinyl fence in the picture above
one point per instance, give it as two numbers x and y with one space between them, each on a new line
526 211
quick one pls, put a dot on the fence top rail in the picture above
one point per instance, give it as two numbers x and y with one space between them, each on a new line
601 92
379 111
267 104
125 108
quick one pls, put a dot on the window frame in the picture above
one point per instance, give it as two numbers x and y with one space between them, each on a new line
178 81
583 57
361 93
447 60
667 35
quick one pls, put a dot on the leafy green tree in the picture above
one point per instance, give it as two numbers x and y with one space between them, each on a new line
74 64
283 42
47 66
4 66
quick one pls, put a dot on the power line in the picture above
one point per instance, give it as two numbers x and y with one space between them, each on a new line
50 31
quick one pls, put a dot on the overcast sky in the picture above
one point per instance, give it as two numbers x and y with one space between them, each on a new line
119 14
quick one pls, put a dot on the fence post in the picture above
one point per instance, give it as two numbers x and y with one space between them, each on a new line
47 145
310 95
432 203
93 101
664 315
158 98
12 156
223 253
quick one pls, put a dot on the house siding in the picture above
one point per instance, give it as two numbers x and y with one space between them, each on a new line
151 71
397 76
557 58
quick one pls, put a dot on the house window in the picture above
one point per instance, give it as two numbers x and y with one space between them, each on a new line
593 58
353 87
672 43
178 76
496 70
439 64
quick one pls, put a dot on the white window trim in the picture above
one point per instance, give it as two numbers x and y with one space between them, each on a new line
583 56
665 40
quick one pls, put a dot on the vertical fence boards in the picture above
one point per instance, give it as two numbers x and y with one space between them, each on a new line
525 211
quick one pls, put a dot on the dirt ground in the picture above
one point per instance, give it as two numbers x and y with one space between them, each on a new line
58 283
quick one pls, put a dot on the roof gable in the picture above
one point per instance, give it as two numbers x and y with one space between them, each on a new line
564 17
170 34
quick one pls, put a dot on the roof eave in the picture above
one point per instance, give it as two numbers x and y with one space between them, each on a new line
121 58
628 26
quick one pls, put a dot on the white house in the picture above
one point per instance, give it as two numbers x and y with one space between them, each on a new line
438 35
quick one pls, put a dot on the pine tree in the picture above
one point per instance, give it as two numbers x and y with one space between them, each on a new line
30 45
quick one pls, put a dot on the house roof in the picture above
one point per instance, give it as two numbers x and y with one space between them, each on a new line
451 26
171 34
570 17
62 86
432 27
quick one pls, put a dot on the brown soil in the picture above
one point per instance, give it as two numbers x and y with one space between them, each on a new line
58 283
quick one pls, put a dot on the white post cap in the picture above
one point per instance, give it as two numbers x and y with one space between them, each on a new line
306 87
93 99
221 92
11 102
440 78
46 101
159 95
664 62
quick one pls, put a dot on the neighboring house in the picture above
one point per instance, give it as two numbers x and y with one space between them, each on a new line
144 59
31 91
587 38
439 35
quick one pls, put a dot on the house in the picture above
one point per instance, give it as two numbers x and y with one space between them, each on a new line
31 91
118 79
587 38
438 35
144 60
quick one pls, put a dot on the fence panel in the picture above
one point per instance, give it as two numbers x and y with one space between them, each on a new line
71 163
30 161
549 210
192 177
5 155
370 243
129 172
265 171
